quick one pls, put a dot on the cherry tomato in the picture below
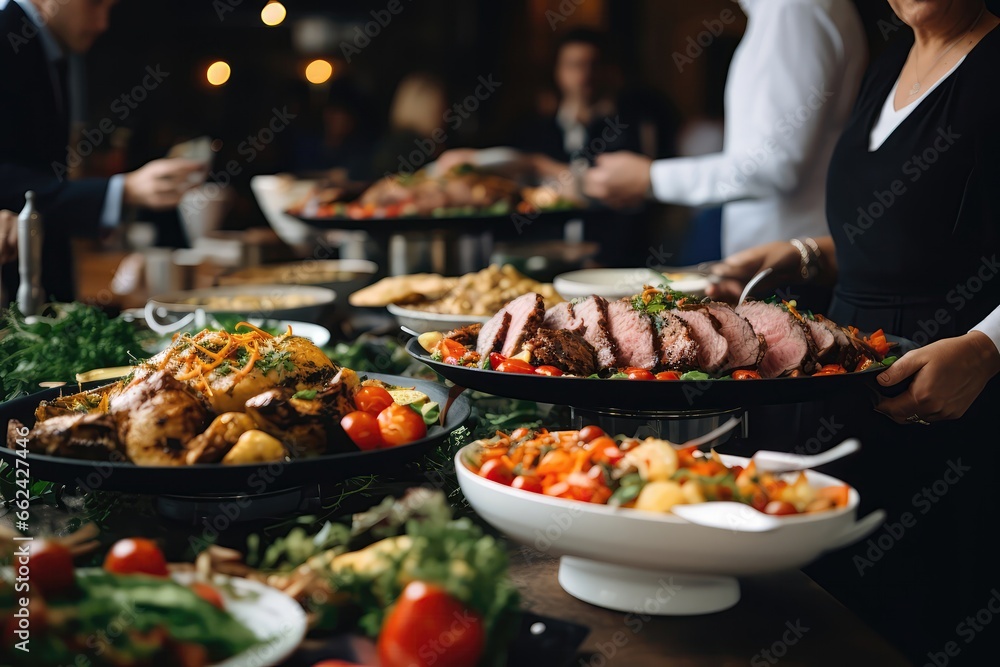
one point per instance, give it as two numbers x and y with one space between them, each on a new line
606 450
588 433
400 424
668 375
136 556
706 468
51 567
451 351
336 663
363 429
779 507
516 366
208 593
686 457
551 371
746 375
527 484
497 471
496 359
639 374
429 627
830 369
372 399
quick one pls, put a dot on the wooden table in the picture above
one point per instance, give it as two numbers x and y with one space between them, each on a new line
781 619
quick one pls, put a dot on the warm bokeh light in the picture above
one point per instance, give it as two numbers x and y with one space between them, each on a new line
319 71
273 13
218 73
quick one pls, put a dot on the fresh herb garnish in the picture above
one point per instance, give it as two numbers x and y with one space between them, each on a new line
275 360
305 394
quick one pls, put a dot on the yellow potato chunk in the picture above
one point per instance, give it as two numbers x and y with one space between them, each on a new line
255 446
660 497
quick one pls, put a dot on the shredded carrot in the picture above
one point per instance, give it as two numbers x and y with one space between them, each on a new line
247 325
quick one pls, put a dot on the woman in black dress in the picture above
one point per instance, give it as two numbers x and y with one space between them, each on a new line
913 205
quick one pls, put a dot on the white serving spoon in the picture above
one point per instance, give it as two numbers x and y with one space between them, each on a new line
785 462
764 273
717 432
726 515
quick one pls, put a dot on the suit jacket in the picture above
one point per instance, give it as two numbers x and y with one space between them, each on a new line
34 134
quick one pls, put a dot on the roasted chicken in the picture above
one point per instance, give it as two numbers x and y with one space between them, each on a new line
208 398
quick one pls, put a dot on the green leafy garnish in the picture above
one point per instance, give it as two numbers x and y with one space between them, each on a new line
695 375
305 394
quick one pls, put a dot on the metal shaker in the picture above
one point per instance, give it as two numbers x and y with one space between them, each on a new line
30 297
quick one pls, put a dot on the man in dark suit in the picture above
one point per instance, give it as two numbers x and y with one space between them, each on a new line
37 36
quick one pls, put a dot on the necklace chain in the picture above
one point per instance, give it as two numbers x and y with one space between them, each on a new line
915 90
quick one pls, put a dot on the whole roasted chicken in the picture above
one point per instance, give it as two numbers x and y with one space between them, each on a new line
210 397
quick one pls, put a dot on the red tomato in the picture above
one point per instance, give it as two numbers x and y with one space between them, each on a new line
497 471
686 456
668 375
451 351
779 507
830 369
372 399
527 484
363 429
551 371
746 375
638 374
400 424
136 556
588 433
605 450
336 663
706 468
496 359
429 627
51 567
208 593
516 366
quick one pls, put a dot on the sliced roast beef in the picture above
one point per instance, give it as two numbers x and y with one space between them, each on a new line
844 352
712 345
786 338
824 343
467 335
526 314
634 335
565 350
493 334
746 347
562 317
678 348
593 313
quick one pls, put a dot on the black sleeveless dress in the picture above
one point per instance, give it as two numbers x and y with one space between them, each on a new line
917 230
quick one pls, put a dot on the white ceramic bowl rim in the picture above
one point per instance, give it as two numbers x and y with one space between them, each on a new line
435 317
171 300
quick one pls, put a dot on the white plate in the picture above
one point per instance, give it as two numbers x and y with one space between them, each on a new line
319 335
421 321
619 283
276 619
627 559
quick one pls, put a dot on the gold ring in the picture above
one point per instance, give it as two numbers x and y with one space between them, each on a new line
915 419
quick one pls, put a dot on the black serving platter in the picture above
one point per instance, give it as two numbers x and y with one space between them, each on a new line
665 397
468 224
218 479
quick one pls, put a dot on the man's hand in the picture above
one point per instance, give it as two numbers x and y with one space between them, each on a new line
160 184
8 237
948 375
620 180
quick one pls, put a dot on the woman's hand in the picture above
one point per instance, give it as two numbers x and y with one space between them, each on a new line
948 375
736 270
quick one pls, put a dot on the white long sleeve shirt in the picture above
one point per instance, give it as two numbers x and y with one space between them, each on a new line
791 87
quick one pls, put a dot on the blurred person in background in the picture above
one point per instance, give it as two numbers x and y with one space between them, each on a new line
35 137
417 130
8 238
791 86
340 139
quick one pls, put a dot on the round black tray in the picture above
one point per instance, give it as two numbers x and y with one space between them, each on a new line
218 479
678 397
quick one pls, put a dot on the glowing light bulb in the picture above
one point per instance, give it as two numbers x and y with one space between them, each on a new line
218 72
273 13
319 71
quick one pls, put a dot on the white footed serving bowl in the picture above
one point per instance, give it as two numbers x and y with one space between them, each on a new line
647 562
